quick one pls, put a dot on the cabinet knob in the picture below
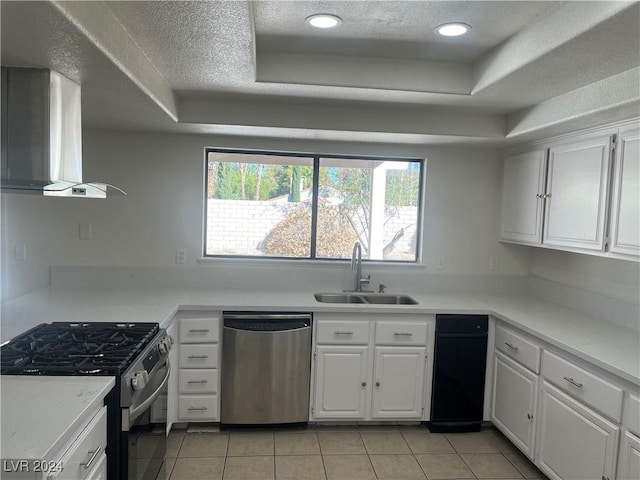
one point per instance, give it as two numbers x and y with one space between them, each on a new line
529 416
538 195
364 384
377 384
605 478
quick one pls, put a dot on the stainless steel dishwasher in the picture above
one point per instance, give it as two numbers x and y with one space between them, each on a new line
266 368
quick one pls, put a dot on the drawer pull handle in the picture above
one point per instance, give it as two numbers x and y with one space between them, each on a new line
403 334
198 409
343 333
512 347
93 454
198 330
573 382
197 381
198 356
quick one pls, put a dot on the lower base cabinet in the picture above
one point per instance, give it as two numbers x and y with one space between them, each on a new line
629 466
515 393
574 442
346 388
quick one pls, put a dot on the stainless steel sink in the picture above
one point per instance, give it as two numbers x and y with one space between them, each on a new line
371 298
389 299
338 298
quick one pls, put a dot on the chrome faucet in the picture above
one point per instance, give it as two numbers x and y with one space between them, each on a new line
356 264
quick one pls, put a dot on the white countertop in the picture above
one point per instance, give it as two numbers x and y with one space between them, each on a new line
612 347
41 414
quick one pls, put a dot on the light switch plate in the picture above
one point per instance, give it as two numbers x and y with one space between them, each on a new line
21 253
85 231
181 256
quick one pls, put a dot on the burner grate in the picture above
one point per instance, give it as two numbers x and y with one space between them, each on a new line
62 348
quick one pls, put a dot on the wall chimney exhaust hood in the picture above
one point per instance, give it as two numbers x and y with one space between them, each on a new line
42 136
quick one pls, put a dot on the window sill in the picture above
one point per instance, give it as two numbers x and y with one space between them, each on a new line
270 262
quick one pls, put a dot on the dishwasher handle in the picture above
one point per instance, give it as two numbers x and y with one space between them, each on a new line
266 316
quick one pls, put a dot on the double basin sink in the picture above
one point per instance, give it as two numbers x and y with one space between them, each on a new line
370 298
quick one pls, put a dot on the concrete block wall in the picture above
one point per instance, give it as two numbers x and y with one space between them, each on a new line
239 226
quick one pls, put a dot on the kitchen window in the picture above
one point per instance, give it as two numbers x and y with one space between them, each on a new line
304 206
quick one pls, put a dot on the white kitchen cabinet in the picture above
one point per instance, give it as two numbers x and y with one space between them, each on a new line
625 208
341 382
399 375
522 203
574 441
370 366
172 387
196 390
515 394
629 464
577 193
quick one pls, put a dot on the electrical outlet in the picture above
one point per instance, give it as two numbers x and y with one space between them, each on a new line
494 264
181 256
440 263
21 253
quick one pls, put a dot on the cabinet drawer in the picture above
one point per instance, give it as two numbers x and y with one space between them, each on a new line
631 414
200 330
86 451
339 332
199 356
583 385
198 380
518 348
198 407
401 333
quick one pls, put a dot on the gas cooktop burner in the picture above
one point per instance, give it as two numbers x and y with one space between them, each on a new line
63 348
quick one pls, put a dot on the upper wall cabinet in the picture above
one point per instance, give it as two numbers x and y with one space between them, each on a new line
572 194
522 205
577 193
625 208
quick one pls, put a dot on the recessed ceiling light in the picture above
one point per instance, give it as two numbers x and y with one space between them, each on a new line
323 20
453 29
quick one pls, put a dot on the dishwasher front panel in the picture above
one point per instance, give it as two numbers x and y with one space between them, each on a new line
266 369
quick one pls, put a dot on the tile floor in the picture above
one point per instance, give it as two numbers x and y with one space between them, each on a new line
344 453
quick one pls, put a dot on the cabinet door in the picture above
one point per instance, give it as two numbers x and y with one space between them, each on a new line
576 198
629 466
342 389
172 387
515 392
574 442
398 390
625 211
522 189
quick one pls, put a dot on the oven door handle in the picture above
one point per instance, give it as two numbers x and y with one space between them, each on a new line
131 414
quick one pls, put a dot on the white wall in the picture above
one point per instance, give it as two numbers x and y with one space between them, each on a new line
163 176
613 278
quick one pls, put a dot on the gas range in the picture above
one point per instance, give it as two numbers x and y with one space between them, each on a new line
136 354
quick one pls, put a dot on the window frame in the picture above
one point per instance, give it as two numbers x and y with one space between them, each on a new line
315 157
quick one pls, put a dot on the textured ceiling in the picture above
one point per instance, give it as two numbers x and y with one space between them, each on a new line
527 68
394 28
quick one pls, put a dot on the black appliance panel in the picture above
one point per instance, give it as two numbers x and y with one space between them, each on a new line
459 373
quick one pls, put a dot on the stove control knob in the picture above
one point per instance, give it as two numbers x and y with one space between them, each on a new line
165 344
139 380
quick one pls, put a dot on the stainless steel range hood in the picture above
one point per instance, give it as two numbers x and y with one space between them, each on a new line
42 136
